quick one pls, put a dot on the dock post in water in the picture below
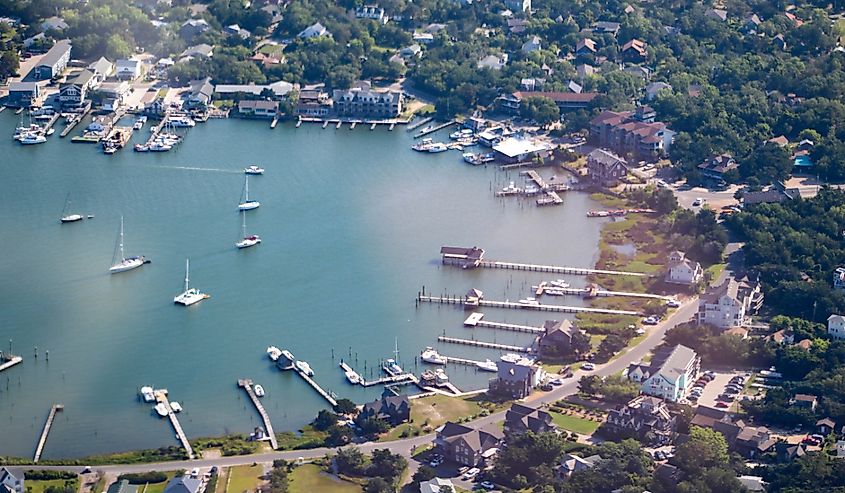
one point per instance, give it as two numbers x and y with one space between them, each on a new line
246 384
47 426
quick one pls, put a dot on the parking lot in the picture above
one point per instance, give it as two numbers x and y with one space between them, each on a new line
716 387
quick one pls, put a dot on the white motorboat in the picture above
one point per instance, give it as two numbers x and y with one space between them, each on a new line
430 355
423 145
161 409
461 134
159 147
487 365
125 263
181 122
259 391
304 367
176 407
274 353
288 355
190 295
253 170
32 138
147 394
51 131
139 122
440 377
67 216
391 367
560 283
554 292
437 147
529 302
247 204
353 377
247 240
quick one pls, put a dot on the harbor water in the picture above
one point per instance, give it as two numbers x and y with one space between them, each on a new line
351 222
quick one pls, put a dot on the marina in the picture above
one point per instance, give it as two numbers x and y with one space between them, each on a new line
593 292
303 370
463 300
247 385
385 380
42 441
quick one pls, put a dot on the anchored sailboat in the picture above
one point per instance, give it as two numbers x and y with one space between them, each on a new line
126 263
190 295
247 204
247 241
67 216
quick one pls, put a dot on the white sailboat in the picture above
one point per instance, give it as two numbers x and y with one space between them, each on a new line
126 263
247 241
190 295
247 204
67 216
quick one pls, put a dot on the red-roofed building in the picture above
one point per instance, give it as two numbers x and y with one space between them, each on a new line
626 133
634 50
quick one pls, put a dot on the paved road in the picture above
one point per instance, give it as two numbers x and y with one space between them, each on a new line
404 446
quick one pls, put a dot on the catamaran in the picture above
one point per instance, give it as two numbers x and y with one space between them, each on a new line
247 204
126 263
190 295
67 216
247 241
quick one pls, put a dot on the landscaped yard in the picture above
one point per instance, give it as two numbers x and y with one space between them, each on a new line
154 487
244 478
574 423
434 411
38 486
310 478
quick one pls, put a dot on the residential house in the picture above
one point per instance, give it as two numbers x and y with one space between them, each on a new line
840 449
53 24
192 28
128 69
373 12
772 194
236 30
11 482
516 377
464 445
730 304
751 24
113 94
53 63
518 150
72 92
605 27
532 44
836 326
786 452
779 41
643 417
517 26
669 375
717 165
518 5
718 15
33 40
202 91
638 70
521 419
753 483
436 485
313 103
634 50
806 401
362 101
201 50
184 484
258 108
627 132
783 336
707 417
314 31
395 409
461 256
102 69
605 167
668 475
423 38
412 51
23 94
805 344
565 101
571 463
266 60
122 486
825 426
583 70
752 441
839 278
683 270
531 83
655 88
493 62
584 47
796 22
558 337
574 87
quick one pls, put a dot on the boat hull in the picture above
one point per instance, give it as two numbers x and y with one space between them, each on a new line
128 264
71 218
248 206
248 242
190 297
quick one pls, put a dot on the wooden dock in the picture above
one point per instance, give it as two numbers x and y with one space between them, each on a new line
462 361
161 397
326 395
246 384
46 431
9 360
400 379
592 293
551 198
485 344
461 300
419 124
437 128
536 178
581 271
475 320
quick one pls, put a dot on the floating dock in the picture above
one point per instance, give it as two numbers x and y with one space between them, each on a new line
461 300
581 271
246 384
419 124
485 344
46 431
9 360
475 320
161 397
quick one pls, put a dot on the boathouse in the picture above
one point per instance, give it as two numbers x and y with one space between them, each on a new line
466 258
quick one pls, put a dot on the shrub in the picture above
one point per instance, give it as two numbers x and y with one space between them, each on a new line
143 477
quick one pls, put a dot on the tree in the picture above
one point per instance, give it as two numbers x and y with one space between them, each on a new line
339 435
387 465
372 426
279 482
424 473
589 384
345 406
378 485
541 109
350 461
706 448
325 420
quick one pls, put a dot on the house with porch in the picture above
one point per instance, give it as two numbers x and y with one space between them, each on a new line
669 375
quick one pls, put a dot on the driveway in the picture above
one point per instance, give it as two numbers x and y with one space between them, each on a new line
716 200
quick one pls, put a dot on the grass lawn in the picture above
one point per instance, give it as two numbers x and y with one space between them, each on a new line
244 478
434 411
308 437
157 487
310 478
574 423
715 270
38 486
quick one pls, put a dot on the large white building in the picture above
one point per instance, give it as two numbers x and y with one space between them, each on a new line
683 270
836 326
730 304
670 374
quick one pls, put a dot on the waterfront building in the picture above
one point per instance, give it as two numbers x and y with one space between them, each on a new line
465 445
669 375
73 91
683 270
558 337
313 103
113 94
362 101
23 94
258 108
201 93
632 132
278 90
461 256
605 167
516 377
518 150
54 62
395 409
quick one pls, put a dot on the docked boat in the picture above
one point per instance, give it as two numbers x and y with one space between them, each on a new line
247 204
487 365
529 302
161 409
461 134
437 147
32 138
176 407
476 159
423 145
190 295
511 189
248 240
560 283
142 148
50 131
440 377
287 354
181 122
125 263
353 377
304 367
139 122
147 394
159 147
67 215
391 367
274 353
21 131
430 355
259 391
254 170
554 292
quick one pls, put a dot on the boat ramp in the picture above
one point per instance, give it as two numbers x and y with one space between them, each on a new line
463 300
161 398
246 384
475 320
46 431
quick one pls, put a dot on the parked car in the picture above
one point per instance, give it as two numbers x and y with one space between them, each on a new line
673 303
650 321
471 473
588 366
436 462
722 404
487 485
726 397
697 202
546 387
556 381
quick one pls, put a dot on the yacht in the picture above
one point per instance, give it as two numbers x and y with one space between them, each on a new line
247 204
353 377
274 353
161 409
304 367
190 295
248 240
437 147
560 283
487 365
147 394
391 367
21 131
254 170
430 355
440 377
259 391
126 263
423 145
176 407
181 122
67 216
32 138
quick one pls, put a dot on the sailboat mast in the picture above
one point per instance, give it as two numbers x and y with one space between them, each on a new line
121 239
243 223
246 186
187 270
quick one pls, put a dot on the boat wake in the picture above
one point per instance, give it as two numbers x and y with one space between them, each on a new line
194 168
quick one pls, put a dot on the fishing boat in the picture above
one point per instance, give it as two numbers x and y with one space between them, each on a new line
176 407
259 391
487 365
190 295
147 394
248 240
161 409
304 367
125 263
247 204
353 377
274 353
430 355
67 216
254 170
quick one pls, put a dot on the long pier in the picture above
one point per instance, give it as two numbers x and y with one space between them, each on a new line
475 320
161 397
485 344
591 293
419 124
402 378
582 271
46 431
327 396
8 361
438 128
460 300
246 384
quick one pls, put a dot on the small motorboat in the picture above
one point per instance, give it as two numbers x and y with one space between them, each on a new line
274 353
176 407
487 365
259 391
161 409
147 394
353 377
304 367
253 170
560 283
430 355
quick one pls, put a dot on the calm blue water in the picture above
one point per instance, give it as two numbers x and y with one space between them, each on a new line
352 222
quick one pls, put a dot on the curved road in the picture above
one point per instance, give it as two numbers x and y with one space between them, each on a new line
404 446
